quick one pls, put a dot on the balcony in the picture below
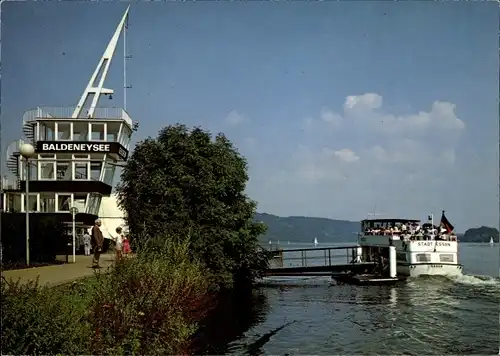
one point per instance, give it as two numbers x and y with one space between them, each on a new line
66 113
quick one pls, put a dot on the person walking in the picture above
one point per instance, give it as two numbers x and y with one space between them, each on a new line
97 243
118 244
86 243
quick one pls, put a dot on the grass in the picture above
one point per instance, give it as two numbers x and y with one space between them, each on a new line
146 305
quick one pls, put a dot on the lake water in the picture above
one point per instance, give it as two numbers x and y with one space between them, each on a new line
313 316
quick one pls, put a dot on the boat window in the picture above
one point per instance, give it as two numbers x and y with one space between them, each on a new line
423 257
448 257
401 256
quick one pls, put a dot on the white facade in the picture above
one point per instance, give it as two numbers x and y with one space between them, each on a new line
111 216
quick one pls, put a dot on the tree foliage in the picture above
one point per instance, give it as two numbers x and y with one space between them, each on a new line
480 234
186 185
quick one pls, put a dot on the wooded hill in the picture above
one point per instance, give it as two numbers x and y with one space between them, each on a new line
305 229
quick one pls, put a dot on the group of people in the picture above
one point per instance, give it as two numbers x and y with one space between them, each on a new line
412 229
95 239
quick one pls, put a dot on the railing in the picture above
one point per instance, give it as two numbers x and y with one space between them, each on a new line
313 257
67 112
13 148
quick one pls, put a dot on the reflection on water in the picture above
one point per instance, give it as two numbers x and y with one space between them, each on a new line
312 315
234 315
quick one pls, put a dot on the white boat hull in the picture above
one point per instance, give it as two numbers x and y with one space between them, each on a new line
417 270
408 263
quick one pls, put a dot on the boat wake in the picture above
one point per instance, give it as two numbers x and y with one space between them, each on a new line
463 280
477 280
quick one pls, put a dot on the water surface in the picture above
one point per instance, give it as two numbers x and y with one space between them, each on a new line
435 315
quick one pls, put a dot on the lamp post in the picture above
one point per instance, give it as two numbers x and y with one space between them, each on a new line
27 151
74 211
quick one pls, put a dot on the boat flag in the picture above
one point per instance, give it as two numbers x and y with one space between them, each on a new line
446 224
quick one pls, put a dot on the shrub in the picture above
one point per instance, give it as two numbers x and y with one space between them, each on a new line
148 305
145 305
42 321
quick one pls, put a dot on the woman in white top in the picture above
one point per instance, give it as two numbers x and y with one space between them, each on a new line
118 244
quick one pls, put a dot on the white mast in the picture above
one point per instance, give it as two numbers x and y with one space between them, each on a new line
103 67
125 57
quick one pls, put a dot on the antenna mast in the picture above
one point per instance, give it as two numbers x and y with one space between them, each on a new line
102 67
125 57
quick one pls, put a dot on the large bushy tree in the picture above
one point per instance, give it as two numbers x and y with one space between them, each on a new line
186 185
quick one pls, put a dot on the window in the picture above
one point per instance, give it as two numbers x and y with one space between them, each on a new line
13 203
423 257
63 171
33 170
79 201
401 256
63 131
81 170
81 157
109 173
125 136
80 131
97 132
63 202
32 202
448 257
47 202
47 131
47 170
95 170
94 203
112 131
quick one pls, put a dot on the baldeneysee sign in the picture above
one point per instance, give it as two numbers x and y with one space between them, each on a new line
81 147
76 147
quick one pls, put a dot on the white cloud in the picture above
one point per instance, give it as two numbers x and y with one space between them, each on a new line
402 163
363 102
235 118
330 117
366 112
346 155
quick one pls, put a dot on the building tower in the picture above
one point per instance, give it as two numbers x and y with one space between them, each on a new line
76 151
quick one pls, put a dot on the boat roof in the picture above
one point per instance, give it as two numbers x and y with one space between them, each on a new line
390 220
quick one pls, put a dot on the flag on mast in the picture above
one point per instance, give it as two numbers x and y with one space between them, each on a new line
446 224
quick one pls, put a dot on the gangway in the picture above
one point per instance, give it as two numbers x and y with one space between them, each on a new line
317 261
343 263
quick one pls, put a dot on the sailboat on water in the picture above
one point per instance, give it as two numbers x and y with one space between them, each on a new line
315 241
491 241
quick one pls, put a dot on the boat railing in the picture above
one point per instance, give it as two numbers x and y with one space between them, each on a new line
415 236
307 257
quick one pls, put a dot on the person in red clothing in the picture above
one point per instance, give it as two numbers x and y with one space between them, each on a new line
126 245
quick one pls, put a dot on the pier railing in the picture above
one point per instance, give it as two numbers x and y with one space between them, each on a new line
313 257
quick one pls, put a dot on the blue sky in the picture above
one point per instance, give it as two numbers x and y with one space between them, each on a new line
340 107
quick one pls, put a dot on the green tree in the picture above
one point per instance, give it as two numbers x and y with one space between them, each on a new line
188 186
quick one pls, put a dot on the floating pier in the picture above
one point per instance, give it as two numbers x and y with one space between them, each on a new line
344 264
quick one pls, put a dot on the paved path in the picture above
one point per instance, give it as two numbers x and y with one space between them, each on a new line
60 274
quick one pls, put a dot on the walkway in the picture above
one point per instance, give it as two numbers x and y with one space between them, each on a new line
60 274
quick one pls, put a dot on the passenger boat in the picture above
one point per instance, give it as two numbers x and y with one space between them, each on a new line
421 249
